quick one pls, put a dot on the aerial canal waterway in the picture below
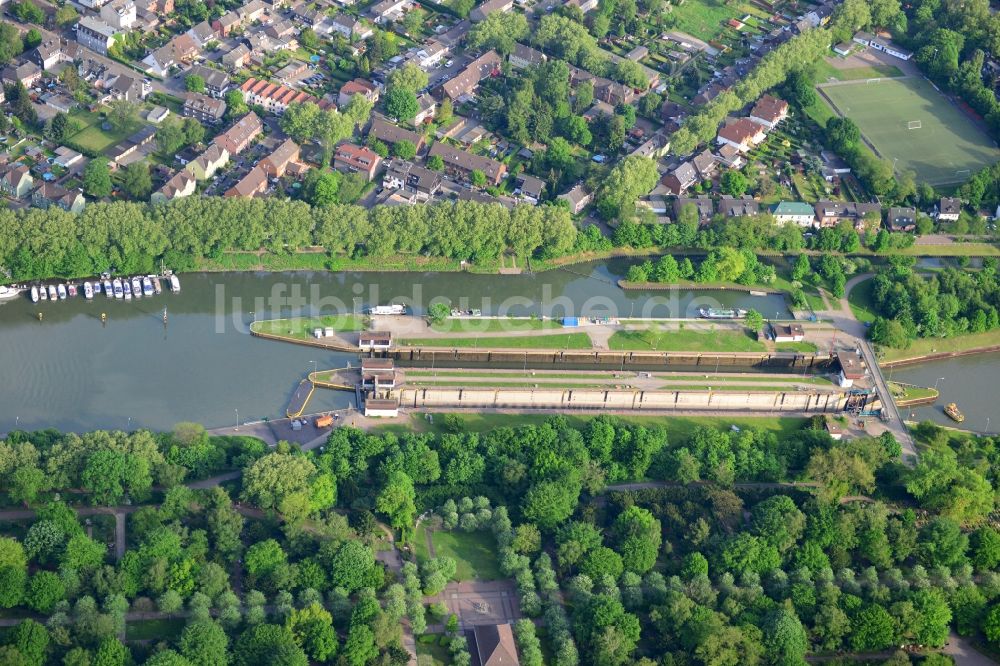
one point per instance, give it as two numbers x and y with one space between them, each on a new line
968 381
72 372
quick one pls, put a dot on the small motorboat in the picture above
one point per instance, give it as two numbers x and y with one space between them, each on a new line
8 292
951 409
88 291
61 290
34 293
53 294
175 284
157 287
109 290
147 286
136 287
43 293
71 289
127 289
117 286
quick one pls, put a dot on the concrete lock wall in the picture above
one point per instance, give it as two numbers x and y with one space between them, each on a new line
623 400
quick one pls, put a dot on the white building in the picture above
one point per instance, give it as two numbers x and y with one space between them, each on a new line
119 14
95 34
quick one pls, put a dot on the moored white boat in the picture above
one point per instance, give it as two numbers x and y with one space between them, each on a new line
53 294
8 292
109 290
117 286
34 293
71 289
136 287
157 287
127 289
43 293
61 290
147 286
88 291
175 284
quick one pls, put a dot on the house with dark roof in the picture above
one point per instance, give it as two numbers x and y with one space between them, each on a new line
468 79
705 164
702 203
464 163
680 178
410 177
949 209
529 188
490 7
577 197
216 81
181 184
494 645
901 219
390 134
524 56
203 108
745 206
15 180
50 194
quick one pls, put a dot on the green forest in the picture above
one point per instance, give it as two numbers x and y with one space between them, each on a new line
716 558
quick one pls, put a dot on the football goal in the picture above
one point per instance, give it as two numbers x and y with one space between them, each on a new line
913 124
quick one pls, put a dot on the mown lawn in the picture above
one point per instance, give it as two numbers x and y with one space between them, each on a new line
302 327
825 70
924 346
861 301
478 325
474 552
430 651
708 341
553 341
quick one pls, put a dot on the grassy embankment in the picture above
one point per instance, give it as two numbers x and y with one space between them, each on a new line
551 341
714 341
477 325
930 346
301 328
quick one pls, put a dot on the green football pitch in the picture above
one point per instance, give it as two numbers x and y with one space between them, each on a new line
911 123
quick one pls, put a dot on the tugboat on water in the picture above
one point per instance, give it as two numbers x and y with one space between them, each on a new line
951 409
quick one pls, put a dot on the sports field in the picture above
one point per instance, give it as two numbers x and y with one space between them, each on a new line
908 121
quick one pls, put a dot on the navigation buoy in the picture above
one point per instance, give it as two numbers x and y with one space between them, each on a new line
104 318
39 316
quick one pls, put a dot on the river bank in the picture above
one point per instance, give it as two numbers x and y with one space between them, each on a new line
924 350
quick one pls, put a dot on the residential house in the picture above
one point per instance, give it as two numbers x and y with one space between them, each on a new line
255 10
25 73
203 33
242 133
494 645
293 72
357 159
426 108
227 23
796 212
203 108
769 111
490 7
280 29
119 14
702 203
705 164
390 134
255 182
48 54
211 160
50 194
67 157
410 177
745 206
180 50
524 56
127 87
680 178
15 180
577 197
832 213
129 146
216 81
780 333
464 163
95 34
237 58
275 164
92 4
157 114
456 35
949 209
529 188
584 5
356 87
156 6
901 219
685 42
466 82
637 54
612 92
654 147
730 157
351 28
387 11
273 97
742 134
843 48
431 53
182 184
